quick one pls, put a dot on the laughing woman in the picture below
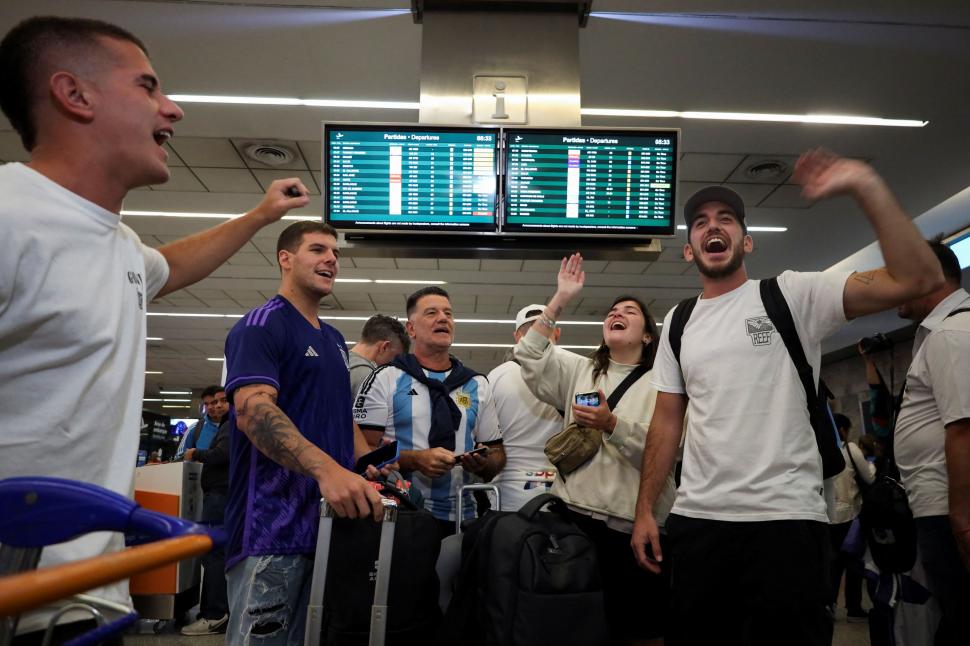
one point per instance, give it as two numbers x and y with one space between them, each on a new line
601 492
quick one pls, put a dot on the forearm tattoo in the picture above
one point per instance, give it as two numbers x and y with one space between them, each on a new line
274 434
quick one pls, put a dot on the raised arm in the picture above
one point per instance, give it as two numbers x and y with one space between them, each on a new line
659 454
911 268
569 283
194 257
276 437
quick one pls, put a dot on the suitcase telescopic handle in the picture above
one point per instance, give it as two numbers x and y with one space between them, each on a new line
473 487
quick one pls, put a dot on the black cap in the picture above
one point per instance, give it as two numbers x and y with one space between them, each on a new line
714 194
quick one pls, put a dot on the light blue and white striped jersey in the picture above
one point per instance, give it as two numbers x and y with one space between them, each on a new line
393 400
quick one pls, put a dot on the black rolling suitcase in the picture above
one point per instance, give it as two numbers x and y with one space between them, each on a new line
355 599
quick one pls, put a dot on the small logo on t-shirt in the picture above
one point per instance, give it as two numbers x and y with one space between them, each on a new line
310 352
360 402
463 400
412 393
759 329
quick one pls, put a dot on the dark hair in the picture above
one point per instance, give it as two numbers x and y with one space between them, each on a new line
601 356
212 391
24 52
841 421
948 260
292 235
385 328
431 290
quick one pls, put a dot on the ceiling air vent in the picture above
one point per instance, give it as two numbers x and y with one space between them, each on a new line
767 170
269 153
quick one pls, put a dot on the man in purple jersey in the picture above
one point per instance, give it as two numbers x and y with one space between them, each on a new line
288 381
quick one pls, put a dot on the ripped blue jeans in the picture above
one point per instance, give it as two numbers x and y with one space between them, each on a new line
268 598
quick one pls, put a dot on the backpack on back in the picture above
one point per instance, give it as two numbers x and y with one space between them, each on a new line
527 577
776 307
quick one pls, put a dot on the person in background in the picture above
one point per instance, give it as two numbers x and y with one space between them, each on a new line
601 494
214 458
381 339
932 443
526 423
89 108
215 408
844 502
437 409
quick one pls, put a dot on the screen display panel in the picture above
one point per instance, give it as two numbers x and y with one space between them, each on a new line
410 178
590 182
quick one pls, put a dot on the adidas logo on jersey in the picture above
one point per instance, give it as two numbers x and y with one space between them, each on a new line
412 393
310 352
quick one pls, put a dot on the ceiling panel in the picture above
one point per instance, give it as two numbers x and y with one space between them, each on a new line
786 197
211 152
708 168
373 263
752 194
764 169
489 264
181 180
228 180
312 154
666 269
416 263
625 267
459 264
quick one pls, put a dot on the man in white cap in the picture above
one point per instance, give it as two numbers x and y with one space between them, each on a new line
526 424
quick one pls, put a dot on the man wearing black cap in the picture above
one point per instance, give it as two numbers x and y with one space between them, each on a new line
748 537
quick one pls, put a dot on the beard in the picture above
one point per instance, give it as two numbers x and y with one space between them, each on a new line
732 265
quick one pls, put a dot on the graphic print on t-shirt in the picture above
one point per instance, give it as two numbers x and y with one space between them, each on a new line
759 329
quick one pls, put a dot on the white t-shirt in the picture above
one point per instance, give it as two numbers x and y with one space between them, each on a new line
74 285
527 424
393 400
750 451
937 394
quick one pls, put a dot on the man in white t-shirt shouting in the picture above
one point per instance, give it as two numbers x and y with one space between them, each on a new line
748 540
526 423
76 281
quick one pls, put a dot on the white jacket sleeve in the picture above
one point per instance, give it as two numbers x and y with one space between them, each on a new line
549 373
865 469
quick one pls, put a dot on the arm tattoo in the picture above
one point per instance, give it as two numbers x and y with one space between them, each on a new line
557 312
865 277
275 435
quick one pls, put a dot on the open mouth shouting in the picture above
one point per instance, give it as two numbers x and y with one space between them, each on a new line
162 135
617 324
715 244
326 273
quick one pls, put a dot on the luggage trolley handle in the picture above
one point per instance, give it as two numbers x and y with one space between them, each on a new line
314 622
473 487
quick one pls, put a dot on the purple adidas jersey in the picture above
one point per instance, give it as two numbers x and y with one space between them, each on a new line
272 510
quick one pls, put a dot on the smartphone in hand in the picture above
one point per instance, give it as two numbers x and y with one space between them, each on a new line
482 450
588 399
379 457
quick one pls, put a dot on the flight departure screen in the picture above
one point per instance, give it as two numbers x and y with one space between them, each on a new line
418 178
590 181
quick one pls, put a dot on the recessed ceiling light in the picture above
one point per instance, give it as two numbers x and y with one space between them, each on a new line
212 216
174 392
353 280
173 406
311 103
154 338
154 372
410 282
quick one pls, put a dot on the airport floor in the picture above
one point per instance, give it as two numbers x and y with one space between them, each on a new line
846 634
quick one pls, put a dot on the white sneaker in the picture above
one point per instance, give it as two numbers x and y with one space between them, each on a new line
206 626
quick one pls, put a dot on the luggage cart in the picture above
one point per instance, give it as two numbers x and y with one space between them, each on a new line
41 511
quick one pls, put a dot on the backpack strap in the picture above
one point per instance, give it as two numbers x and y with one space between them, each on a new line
678 321
776 307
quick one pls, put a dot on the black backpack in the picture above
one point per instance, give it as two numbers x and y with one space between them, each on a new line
413 616
527 577
776 307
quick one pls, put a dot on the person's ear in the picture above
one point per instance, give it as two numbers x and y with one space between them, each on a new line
409 328
284 259
72 95
748 243
688 253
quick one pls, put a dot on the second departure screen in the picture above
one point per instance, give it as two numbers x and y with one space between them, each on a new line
410 178
590 181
